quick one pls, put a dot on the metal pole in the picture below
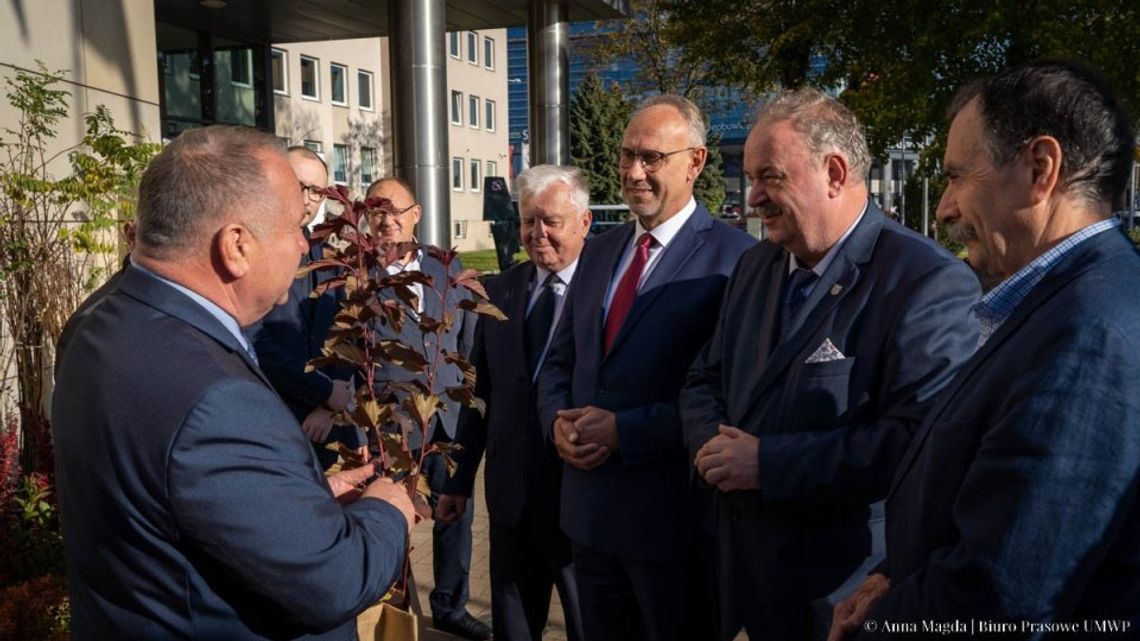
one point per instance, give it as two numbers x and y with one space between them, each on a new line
1132 198
419 110
548 56
925 206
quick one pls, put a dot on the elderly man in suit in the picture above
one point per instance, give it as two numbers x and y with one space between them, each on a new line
451 542
835 335
1017 503
643 303
192 503
293 333
529 552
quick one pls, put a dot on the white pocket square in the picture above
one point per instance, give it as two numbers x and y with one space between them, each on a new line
826 352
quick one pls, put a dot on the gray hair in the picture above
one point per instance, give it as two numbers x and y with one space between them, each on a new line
688 110
205 176
825 123
309 154
534 181
1069 102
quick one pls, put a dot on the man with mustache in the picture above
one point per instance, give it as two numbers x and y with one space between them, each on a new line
835 335
1017 501
643 302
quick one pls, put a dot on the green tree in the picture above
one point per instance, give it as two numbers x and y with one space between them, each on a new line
598 116
709 188
53 230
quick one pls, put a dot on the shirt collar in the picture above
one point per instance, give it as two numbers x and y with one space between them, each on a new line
665 232
565 275
223 317
822 265
1000 302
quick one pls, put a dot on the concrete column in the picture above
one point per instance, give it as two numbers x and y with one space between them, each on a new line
548 42
419 110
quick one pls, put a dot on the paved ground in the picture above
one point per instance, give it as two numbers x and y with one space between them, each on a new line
480 603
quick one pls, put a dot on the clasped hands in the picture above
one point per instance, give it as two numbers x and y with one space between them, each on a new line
585 437
319 422
730 460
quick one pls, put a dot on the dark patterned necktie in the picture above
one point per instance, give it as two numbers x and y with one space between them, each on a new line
795 293
538 322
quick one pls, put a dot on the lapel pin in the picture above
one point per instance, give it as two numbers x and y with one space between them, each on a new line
835 289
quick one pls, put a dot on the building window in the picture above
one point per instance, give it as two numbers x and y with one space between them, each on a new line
457 107
338 77
453 44
280 63
472 48
241 67
457 174
313 145
489 53
367 166
340 164
364 89
492 168
310 79
473 111
476 180
460 229
489 115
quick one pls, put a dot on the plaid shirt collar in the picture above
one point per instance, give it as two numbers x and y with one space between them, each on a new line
998 305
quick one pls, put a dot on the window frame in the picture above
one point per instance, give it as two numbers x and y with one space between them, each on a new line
489 65
490 115
473 111
284 71
361 73
316 78
473 48
456 109
457 186
344 154
475 166
455 51
343 102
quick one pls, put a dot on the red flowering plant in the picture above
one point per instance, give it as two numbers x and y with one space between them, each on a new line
391 412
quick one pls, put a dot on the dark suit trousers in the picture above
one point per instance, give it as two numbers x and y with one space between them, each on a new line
529 559
451 550
629 601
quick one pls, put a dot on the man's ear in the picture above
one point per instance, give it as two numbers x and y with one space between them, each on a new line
837 169
700 156
233 247
1043 156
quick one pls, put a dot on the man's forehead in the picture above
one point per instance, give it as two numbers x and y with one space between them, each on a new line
303 165
391 190
659 122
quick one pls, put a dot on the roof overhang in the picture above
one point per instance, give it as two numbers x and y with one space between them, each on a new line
269 21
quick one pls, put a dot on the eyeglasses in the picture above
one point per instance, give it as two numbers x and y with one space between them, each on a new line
382 214
650 160
312 192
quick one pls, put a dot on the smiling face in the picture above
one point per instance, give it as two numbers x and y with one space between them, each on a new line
980 203
655 196
552 229
313 177
397 227
790 190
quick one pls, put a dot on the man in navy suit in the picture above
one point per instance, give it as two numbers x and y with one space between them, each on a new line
643 303
192 504
293 333
835 335
451 542
1017 502
530 554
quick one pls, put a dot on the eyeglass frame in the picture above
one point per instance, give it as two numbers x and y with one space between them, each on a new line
309 191
383 213
649 166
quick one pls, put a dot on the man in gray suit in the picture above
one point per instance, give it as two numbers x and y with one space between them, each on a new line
451 542
834 336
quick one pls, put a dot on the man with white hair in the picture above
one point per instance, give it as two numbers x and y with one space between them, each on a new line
529 552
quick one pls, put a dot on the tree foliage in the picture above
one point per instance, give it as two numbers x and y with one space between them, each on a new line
598 116
709 188
53 231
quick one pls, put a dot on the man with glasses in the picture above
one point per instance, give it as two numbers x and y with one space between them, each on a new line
451 542
293 333
643 303
835 336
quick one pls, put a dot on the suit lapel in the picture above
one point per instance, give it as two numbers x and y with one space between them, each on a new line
516 295
831 288
687 242
609 264
1070 267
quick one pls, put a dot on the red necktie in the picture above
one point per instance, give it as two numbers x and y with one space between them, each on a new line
627 289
